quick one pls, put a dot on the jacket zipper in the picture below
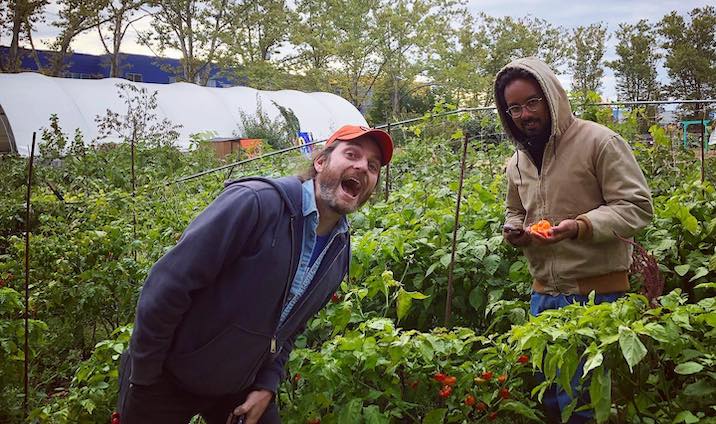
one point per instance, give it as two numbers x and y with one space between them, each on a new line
552 141
272 347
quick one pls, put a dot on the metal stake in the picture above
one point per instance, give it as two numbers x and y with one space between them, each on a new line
448 300
703 131
27 275
387 175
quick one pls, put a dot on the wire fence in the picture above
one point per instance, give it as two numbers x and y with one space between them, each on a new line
390 126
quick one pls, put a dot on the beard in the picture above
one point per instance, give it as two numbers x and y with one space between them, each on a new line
329 183
540 131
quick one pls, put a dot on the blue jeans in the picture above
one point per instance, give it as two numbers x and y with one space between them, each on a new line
555 398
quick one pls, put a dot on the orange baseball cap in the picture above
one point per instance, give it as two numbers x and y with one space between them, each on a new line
351 132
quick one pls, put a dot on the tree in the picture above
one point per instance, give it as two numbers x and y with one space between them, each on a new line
586 58
357 60
314 39
256 32
117 16
636 63
193 27
21 15
691 54
409 29
75 17
485 44
457 65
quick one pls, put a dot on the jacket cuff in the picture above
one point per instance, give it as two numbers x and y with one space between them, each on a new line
585 231
267 379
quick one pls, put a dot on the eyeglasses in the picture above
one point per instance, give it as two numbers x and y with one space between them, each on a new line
515 111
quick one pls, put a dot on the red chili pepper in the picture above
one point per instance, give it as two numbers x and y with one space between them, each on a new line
469 400
445 392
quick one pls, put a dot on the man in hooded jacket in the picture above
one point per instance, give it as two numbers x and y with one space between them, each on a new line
581 177
219 313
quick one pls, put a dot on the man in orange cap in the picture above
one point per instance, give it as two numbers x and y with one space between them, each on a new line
219 313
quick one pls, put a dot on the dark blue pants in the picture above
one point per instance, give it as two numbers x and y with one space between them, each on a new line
555 398
166 403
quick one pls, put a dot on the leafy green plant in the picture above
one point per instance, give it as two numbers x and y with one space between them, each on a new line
277 133
640 364
379 373
92 394
12 348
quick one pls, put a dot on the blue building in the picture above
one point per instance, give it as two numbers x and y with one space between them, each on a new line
134 67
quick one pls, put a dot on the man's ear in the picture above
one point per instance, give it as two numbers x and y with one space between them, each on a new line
320 163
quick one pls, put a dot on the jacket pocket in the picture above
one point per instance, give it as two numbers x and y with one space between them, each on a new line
227 364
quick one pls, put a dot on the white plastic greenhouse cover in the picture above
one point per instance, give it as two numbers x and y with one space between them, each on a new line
28 100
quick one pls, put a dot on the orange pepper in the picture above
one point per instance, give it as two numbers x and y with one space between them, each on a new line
542 228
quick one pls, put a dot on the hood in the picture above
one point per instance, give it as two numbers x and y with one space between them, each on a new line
283 186
557 100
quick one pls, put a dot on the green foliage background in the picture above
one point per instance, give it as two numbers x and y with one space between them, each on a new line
369 356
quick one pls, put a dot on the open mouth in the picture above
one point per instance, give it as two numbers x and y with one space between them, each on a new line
531 125
351 186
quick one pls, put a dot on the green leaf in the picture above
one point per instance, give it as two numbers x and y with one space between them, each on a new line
688 368
495 295
480 251
372 415
593 361
477 298
351 413
600 392
436 416
519 408
682 269
700 388
568 368
686 417
700 272
569 409
417 295
431 269
404 302
341 318
632 348
491 263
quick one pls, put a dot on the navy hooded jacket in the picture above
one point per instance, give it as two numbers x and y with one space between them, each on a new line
209 311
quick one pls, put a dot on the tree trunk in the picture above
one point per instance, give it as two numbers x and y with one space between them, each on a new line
13 62
57 66
32 46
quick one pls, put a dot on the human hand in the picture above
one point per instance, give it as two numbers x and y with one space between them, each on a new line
516 236
566 229
252 409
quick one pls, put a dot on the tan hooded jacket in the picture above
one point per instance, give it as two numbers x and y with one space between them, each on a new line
589 174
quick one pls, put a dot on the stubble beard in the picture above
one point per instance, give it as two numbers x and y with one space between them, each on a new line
329 185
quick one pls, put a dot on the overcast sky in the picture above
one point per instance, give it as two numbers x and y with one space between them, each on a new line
565 13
